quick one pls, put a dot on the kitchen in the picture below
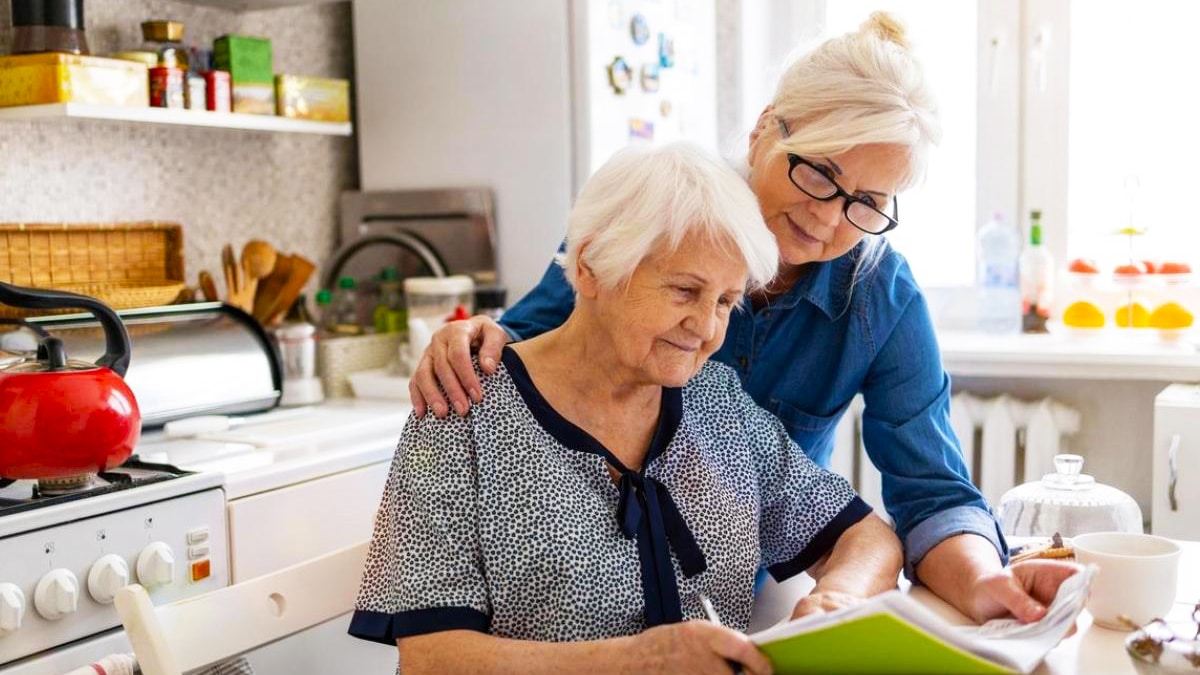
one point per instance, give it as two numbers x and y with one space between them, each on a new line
232 185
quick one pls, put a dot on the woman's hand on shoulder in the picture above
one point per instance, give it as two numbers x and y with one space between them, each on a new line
699 647
447 362
1023 590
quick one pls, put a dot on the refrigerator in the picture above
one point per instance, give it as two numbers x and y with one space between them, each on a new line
527 98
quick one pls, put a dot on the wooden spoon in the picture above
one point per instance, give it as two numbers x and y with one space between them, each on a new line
258 259
208 287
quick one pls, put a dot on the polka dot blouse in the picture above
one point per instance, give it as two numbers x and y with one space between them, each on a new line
508 522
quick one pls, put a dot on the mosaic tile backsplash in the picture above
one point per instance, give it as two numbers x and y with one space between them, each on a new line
221 185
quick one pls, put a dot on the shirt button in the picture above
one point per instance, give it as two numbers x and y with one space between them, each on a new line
767 314
743 362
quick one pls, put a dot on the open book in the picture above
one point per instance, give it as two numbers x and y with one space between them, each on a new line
893 633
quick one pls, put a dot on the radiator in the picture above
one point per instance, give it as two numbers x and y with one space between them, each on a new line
1005 442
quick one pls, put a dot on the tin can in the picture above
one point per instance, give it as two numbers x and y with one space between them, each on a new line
197 96
218 91
167 87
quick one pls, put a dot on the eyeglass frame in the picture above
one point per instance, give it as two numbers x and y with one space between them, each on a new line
795 160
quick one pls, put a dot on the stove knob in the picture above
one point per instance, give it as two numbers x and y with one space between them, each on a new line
156 565
12 608
56 594
107 576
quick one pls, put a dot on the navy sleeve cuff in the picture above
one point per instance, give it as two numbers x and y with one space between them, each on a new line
949 523
387 628
823 542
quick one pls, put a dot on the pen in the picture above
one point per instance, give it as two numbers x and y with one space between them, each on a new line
711 613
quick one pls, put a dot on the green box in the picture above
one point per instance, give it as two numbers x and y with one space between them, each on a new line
249 60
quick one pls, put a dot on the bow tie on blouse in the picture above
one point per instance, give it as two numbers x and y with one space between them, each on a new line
646 512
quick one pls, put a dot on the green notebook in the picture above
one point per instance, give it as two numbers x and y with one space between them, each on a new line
894 633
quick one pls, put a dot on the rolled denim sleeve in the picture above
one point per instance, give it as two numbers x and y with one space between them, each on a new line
908 436
543 308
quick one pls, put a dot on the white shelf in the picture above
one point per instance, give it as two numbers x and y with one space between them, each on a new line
192 118
969 354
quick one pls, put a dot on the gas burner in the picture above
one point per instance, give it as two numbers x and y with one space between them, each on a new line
64 485
24 495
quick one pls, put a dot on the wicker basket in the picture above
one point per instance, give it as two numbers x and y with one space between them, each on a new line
124 265
337 357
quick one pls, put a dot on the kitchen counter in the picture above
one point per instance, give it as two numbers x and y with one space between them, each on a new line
336 436
1070 356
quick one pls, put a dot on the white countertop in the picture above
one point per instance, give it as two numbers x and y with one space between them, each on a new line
337 435
1105 356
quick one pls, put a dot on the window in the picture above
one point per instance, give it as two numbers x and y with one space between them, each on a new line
939 215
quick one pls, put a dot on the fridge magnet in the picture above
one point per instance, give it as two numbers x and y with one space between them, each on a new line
639 29
620 75
650 77
666 51
615 13
641 129
665 107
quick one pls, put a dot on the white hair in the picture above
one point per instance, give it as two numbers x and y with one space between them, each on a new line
646 201
859 88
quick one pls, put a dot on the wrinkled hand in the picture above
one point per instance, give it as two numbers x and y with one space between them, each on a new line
698 647
1022 590
819 602
447 362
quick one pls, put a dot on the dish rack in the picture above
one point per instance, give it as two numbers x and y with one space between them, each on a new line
124 265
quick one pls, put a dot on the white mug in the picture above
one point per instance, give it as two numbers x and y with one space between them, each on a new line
1137 579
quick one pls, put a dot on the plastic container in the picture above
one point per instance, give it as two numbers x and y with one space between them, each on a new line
1067 502
998 247
433 301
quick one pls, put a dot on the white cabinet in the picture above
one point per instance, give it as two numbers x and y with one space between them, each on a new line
1175 510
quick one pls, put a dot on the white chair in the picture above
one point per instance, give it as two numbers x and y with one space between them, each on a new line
196 632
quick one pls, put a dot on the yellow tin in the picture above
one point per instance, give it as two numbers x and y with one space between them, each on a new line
312 98
34 79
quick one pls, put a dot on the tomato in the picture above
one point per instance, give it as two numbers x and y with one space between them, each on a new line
1129 270
1174 268
1083 266
1149 266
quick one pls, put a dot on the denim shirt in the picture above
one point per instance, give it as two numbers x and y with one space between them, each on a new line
807 353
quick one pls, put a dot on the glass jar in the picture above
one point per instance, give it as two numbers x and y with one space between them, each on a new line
433 301
48 26
1068 502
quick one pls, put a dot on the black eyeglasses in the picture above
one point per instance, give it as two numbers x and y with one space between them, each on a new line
814 180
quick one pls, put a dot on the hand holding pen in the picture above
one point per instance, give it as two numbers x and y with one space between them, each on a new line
693 647
710 613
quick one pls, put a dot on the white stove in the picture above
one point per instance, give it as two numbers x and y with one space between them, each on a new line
62 558
246 501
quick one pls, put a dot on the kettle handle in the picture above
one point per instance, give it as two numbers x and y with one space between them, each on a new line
116 339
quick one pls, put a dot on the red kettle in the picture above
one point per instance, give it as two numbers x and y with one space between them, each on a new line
60 417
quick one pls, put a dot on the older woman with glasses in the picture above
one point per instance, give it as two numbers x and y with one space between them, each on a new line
613 481
851 126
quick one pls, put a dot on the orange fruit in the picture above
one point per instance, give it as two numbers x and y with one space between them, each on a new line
1171 267
1129 270
1083 314
1083 266
1133 315
1171 315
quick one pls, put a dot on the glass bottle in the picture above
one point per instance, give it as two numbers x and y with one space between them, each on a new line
345 308
390 315
1037 279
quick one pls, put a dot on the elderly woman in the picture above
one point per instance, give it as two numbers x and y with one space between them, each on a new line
852 125
612 476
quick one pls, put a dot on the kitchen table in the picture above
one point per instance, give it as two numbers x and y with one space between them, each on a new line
1090 651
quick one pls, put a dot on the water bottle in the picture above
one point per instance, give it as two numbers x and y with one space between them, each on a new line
345 308
998 276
